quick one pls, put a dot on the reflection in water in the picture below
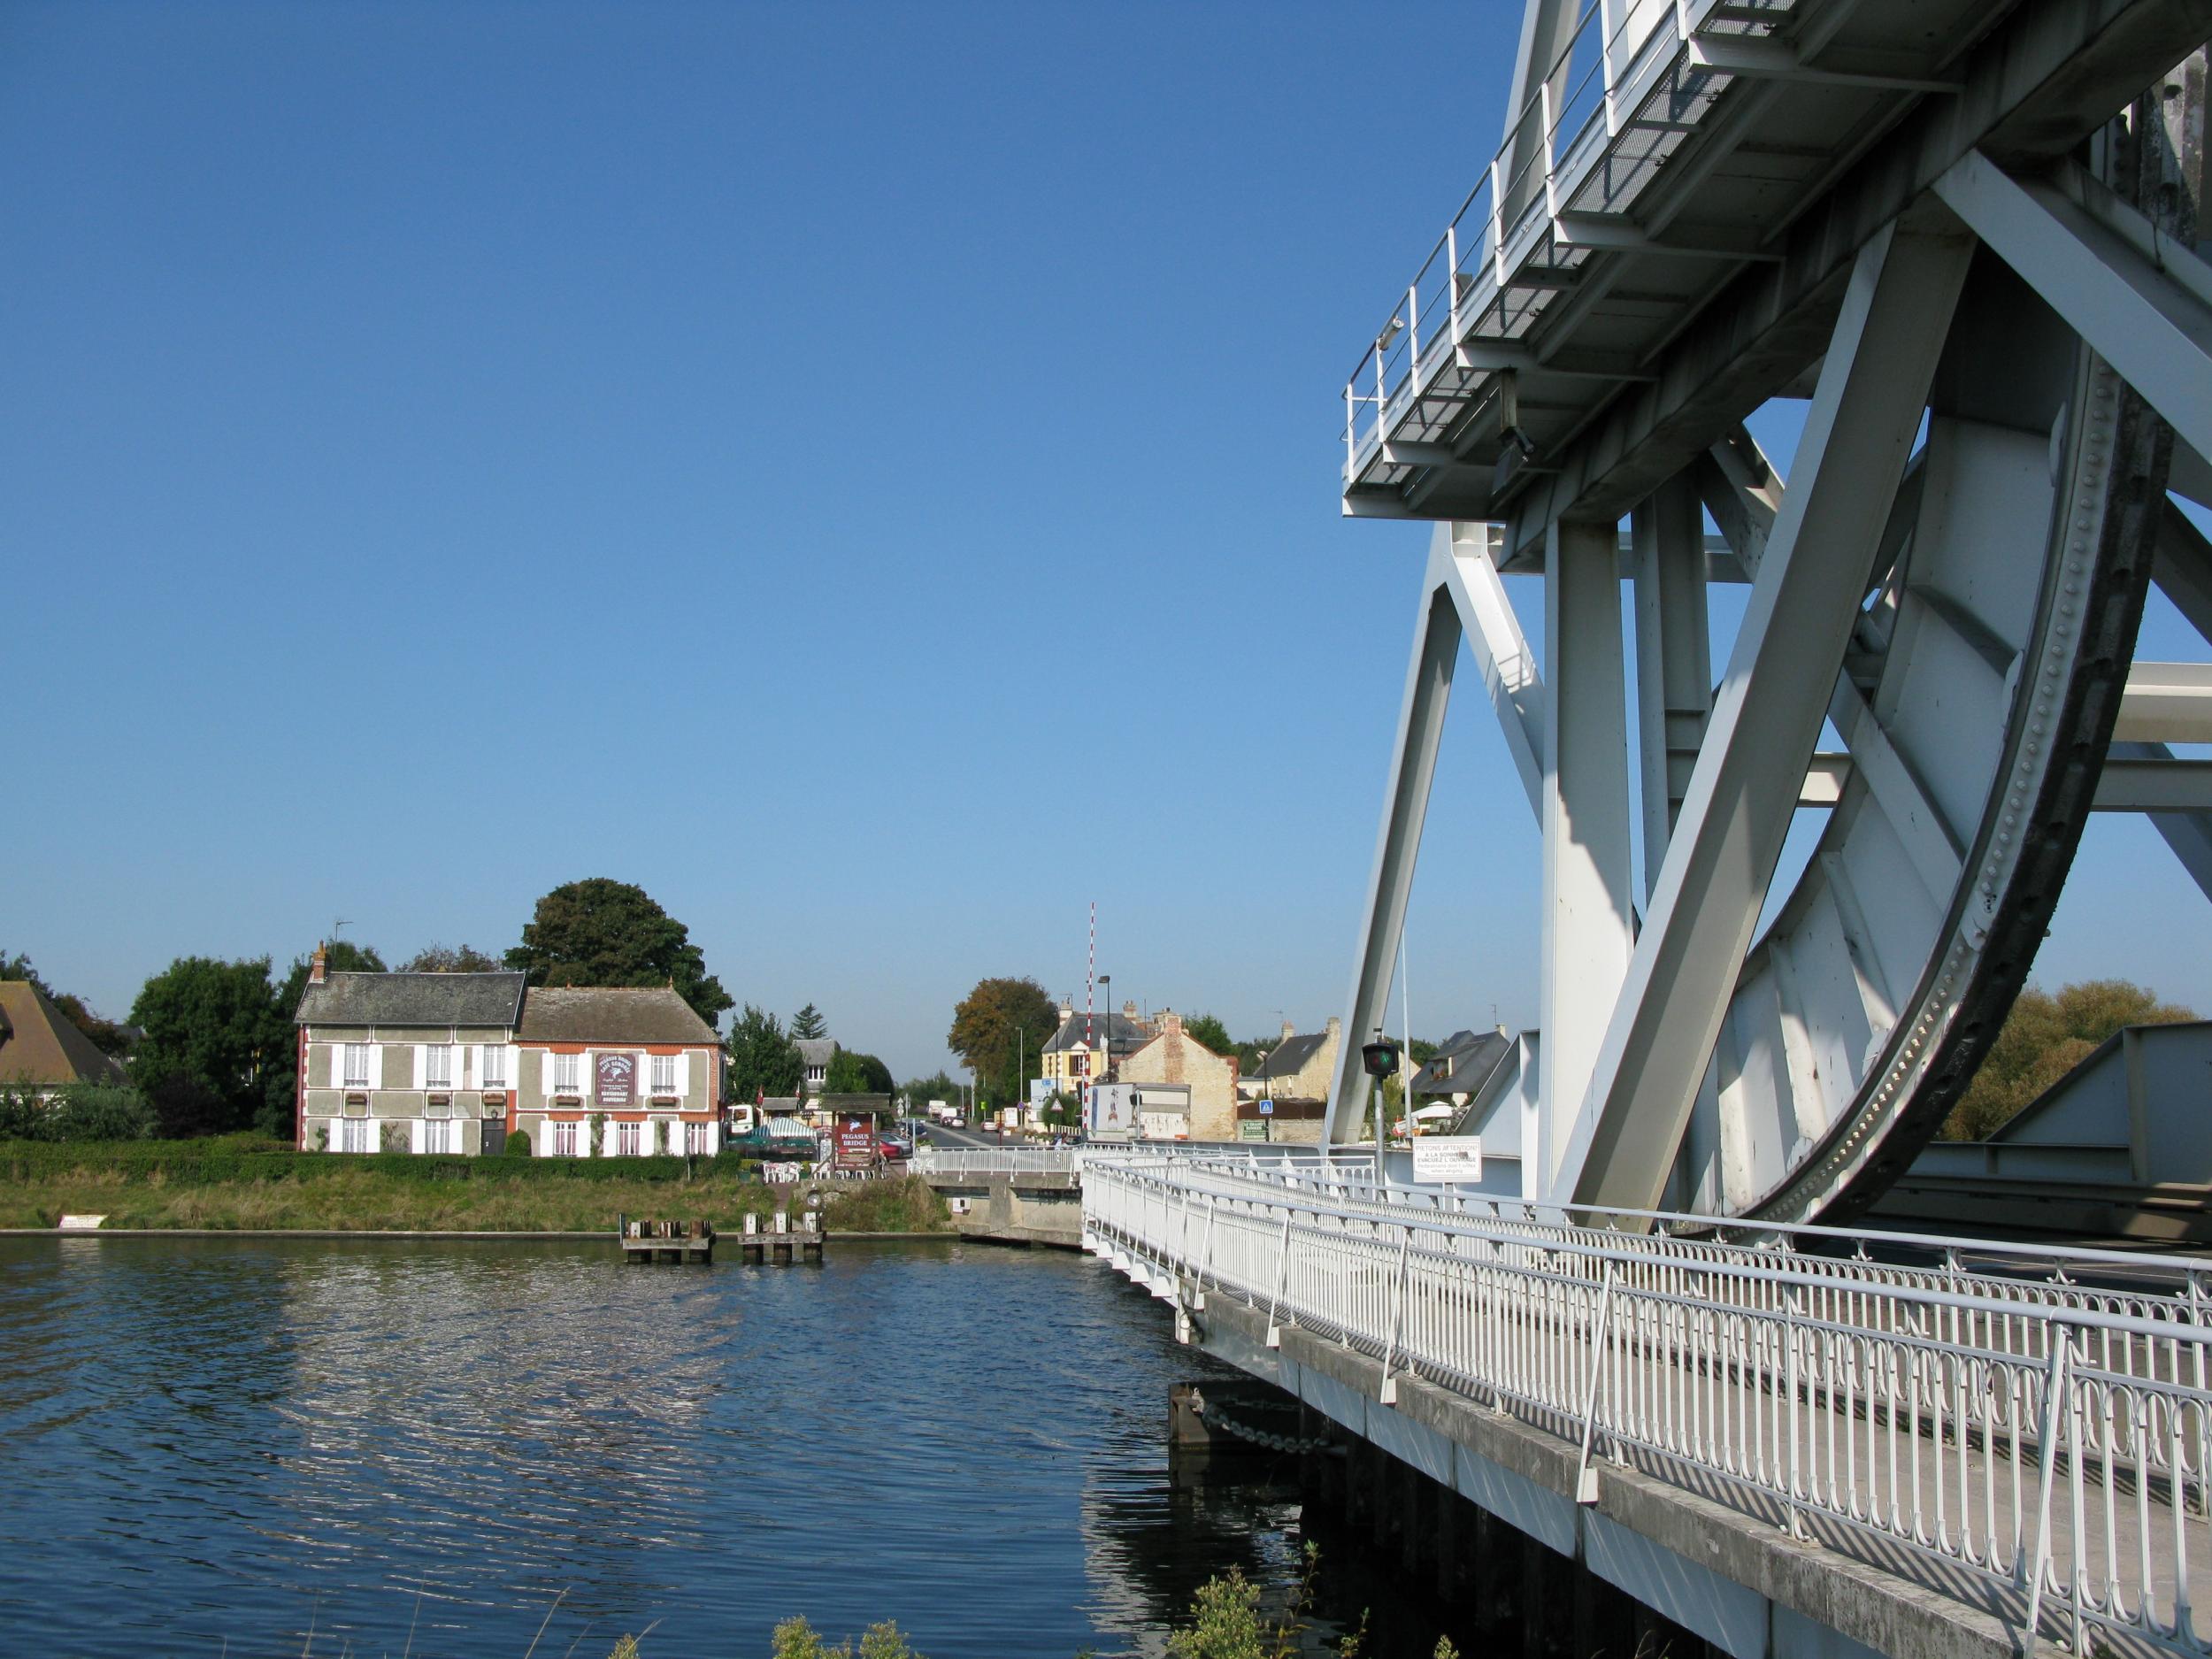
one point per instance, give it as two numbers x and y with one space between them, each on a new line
209 1441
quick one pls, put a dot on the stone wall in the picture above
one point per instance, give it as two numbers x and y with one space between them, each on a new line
1175 1057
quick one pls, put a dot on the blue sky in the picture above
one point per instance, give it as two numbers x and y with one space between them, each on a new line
866 474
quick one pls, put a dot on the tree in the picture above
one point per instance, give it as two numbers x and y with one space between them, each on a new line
2044 1038
762 1060
1208 1033
107 1035
999 1028
808 1026
449 959
215 1036
852 1073
919 1091
598 931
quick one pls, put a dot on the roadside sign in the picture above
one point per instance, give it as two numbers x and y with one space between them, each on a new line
1445 1160
1267 1108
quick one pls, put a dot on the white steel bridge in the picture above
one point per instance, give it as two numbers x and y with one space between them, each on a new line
1790 1447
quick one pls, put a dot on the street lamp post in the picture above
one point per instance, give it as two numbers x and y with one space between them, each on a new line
1105 987
1267 1093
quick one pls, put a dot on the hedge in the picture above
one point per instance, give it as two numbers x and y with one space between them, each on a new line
242 1158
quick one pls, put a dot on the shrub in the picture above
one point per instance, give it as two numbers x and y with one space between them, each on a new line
82 1111
519 1144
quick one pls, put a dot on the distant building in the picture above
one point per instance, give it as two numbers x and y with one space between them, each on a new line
454 1062
1461 1065
41 1051
815 1054
1172 1056
638 1058
1296 1068
406 1062
1077 1053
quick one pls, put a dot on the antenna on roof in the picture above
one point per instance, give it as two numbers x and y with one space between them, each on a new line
335 925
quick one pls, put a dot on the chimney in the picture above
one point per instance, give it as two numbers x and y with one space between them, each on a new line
1171 1021
1336 1027
1289 1030
319 965
1129 1012
1067 1010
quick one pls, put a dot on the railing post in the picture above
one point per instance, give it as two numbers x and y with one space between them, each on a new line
1451 276
2062 1344
1585 1476
1282 1273
1789 1368
1413 333
1205 1254
1497 228
1351 447
1551 172
1397 1316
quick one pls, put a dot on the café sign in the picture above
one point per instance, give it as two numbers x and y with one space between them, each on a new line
616 1077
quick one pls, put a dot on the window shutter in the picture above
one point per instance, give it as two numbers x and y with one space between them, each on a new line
376 1065
683 1074
421 1063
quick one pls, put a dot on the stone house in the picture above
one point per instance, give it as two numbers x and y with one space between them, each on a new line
1462 1064
406 1062
1078 1051
638 1061
1296 1068
1173 1056
41 1051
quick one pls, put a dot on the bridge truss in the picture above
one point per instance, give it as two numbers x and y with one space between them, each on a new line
1966 231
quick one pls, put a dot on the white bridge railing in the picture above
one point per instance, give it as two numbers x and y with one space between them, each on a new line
984 1162
2036 1418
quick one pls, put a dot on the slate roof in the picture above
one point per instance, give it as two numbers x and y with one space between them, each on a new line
1473 1058
1126 1032
413 999
39 1045
817 1050
610 1013
1290 1057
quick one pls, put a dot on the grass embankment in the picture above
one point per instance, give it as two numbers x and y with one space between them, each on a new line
242 1184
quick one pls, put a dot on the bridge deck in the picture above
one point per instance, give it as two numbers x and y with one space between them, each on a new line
1913 1420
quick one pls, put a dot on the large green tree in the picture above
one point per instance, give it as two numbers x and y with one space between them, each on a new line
2044 1038
1209 1033
598 931
852 1073
217 1041
919 1091
998 1029
809 1025
762 1060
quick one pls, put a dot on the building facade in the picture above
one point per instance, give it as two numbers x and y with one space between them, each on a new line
1078 1052
1297 1067
616 1071
457 1062
406 1062
1172 1056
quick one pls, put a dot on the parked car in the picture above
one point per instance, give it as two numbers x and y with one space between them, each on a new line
897 1149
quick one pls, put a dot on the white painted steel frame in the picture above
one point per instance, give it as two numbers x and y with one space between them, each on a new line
2047 1436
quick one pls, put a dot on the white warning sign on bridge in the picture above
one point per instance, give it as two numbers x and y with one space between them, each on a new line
1446 1160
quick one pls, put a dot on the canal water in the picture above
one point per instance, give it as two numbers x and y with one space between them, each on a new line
213 1446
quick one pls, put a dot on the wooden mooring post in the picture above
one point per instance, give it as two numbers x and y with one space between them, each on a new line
645 1241
782 1242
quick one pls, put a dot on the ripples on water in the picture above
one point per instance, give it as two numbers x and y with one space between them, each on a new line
206 1442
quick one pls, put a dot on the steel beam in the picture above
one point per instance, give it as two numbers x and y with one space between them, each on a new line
1674 662
1436 636
1459 556
1766 719
2166 703
2188 834
2181 564
1588 926
2152 782
2142 303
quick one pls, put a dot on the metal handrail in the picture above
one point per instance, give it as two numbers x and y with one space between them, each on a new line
1522 183
956 1161
1957 1414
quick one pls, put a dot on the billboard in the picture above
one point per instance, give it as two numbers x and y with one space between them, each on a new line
614 1078
1109 1111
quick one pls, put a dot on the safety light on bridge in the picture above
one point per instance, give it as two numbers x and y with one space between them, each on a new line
1380 1056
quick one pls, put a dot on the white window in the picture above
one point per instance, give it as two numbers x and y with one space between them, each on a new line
441 1135
627 1139
663 1074
437 1065
698 1139
814 1074
564 1141
355 1135
568 1071
357 1068
495 1065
